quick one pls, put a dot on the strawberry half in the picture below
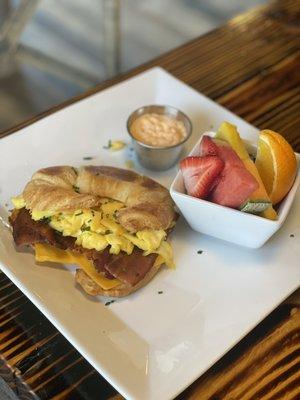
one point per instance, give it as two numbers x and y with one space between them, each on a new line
199 174
208 147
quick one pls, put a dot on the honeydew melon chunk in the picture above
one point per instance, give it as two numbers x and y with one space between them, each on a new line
229 133
255 206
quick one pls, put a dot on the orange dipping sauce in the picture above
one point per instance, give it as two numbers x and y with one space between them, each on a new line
158 130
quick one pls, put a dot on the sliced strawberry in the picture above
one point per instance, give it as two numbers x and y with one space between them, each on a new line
199 174
208 147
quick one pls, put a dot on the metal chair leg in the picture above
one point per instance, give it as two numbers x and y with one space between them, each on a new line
10 31
112 36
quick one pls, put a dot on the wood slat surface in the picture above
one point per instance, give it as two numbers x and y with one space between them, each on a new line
251 66
39 363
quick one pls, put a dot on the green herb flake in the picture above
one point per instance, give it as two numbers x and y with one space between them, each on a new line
87 158
45 220
80 213
76 188
108 303
85 228
292 235
108 145
199 251
160 292
75 171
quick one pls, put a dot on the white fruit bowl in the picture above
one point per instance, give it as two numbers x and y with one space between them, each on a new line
226 223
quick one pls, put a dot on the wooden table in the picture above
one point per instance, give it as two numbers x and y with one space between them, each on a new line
251 66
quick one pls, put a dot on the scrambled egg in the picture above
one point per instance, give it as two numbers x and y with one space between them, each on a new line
98 229
18 202
117 145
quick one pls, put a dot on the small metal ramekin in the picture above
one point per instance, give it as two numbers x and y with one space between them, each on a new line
159 158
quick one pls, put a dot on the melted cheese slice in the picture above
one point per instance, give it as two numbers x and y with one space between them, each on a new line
45 252
159 261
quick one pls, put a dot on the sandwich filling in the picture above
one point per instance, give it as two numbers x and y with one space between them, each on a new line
92 239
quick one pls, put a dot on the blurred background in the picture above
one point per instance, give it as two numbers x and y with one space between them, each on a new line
51 50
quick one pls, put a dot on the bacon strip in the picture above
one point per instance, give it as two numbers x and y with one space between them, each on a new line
129 269
26 231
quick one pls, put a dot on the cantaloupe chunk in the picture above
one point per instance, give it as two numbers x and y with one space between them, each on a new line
229 133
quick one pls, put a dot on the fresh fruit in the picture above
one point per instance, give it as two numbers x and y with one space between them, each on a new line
199 174
276 163
229 133
235 184
254 206
208 147
234 187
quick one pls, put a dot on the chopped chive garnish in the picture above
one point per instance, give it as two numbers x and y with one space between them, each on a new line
46 220
109 302
108 145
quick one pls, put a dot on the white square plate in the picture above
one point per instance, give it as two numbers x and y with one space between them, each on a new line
149 345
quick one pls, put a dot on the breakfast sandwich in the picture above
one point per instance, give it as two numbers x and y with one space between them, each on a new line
112 223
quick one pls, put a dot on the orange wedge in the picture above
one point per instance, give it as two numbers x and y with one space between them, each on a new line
276 163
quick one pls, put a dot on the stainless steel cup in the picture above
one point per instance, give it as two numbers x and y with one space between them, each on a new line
159 158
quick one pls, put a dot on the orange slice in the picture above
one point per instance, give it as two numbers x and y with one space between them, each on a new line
276 163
